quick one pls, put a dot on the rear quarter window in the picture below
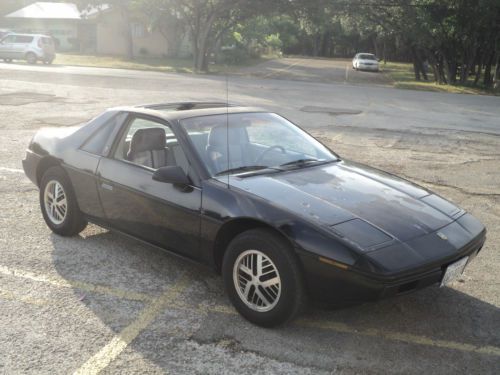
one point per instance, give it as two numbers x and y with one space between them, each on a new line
101 140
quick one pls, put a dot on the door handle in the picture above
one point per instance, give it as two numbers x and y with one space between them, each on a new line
107 186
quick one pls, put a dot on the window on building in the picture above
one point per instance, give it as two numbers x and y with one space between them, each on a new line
138 30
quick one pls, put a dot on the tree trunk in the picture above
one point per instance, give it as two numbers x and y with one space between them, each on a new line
478 70
451 70
375 45
383 52
442 75
488 79
496 75
466 66
129 40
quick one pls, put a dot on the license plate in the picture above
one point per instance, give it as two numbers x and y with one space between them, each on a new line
453 271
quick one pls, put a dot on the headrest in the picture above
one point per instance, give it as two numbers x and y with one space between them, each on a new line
148 139
220 135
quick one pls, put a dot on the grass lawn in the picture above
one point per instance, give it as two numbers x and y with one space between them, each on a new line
170 65
403 77
140 63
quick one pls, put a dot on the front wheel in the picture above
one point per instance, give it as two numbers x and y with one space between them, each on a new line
262 278
58 203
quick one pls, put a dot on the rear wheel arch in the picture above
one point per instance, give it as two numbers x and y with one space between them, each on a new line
233 228
44 165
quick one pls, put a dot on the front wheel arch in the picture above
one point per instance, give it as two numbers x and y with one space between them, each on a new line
233 228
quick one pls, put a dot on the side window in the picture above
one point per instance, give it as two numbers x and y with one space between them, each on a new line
8 39
150 144
100 142
21 39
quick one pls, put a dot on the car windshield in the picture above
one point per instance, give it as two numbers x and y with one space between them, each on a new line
249 142
367 57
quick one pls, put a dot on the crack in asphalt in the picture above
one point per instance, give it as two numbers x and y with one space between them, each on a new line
460 189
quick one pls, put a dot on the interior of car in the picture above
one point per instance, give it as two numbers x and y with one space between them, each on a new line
147 143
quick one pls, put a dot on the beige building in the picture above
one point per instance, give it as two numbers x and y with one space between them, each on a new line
97 30
111 36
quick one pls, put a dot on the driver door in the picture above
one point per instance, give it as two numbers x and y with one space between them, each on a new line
160 213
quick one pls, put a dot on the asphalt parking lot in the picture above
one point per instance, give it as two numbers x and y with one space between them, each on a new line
103 303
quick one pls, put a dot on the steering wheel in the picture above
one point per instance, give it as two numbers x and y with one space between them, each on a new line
266 151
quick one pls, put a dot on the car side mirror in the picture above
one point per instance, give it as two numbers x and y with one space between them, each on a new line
172 175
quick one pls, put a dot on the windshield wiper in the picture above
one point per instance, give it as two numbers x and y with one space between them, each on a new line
302 162
245 168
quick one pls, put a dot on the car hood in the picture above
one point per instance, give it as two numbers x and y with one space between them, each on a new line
337 192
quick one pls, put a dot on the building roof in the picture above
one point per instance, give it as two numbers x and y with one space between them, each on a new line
48 10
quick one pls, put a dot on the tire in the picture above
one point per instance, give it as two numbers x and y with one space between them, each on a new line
48 62
31 58
286 298
7 60
65 220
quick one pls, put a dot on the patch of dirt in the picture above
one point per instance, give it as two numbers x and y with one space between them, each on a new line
331 111
23 98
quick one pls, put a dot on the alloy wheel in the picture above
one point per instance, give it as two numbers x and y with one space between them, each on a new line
257 280
56 205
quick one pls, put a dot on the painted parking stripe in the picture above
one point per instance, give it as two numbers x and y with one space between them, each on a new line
12 170
112 350
370 332
228 310
403 337
7 295
88 287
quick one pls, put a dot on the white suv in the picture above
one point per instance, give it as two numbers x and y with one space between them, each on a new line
29 47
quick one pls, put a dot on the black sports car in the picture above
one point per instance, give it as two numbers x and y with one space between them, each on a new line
247 192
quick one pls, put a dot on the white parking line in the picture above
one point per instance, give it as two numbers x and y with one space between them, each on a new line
88 287
112 350
106 355
12 170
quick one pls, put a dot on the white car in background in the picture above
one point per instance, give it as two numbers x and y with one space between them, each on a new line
29 47
365 61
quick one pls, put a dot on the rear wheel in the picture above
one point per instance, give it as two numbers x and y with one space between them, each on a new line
58 203
31 58
48 61
263 278
7 60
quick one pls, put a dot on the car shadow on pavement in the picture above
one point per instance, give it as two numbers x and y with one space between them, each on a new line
201 319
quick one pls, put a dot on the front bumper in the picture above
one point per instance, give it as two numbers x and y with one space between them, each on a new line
334 286
368 67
